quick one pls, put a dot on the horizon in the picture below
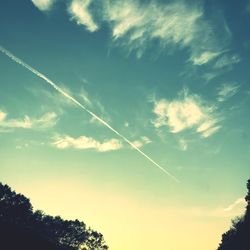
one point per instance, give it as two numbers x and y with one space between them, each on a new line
140 108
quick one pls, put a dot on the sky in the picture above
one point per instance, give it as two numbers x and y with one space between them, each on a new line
132 116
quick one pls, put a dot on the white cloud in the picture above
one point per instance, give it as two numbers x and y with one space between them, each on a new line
43 5
143 141
79 11
137 25
173 23
45 121
84 142
226 91
187 112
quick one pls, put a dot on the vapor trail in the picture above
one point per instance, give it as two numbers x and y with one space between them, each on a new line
50 82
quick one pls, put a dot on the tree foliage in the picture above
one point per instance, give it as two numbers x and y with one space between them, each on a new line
238 236
19 221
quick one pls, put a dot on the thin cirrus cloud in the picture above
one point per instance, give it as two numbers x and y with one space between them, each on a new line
227 90
186 112
45 121
84 142
136 25
43 5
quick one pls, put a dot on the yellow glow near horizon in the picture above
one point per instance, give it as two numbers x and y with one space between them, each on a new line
126 223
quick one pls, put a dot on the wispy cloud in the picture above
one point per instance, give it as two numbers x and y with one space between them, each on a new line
208 76
85 97
186 112
239 202
79 11
236 208
43 5
94 103
205 57
176 23
226 91
84 142
227 60
46 121
143 141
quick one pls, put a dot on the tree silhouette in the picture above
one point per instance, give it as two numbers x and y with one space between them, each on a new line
21 228
238 236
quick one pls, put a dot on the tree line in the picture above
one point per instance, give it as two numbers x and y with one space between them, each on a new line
23 228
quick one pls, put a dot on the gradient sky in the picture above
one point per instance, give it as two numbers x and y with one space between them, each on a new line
170 76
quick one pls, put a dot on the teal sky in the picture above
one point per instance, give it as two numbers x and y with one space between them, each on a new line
170 76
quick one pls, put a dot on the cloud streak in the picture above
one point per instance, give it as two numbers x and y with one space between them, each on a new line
77 103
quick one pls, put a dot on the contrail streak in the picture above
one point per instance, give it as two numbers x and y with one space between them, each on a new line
56 87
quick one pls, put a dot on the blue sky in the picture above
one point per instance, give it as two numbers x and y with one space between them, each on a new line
170 76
